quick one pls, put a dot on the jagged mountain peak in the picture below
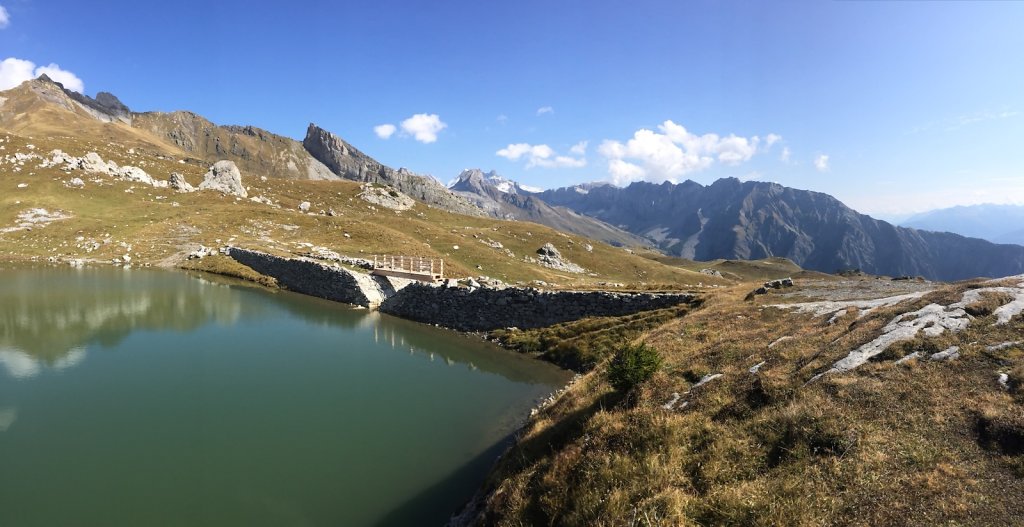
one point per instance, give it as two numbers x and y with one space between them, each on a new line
477 181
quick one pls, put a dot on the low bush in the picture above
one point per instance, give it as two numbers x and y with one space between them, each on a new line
632 365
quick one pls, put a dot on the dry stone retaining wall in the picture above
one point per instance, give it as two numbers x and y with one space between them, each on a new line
464 309
313 278
486 309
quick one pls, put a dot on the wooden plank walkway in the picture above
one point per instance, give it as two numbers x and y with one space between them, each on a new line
418 268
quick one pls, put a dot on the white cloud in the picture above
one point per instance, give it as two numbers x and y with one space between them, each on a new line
821 163
384 131
784 157
623 172
545 109
16 71
579 148
5 17
424 127
673 151
502 119
540 156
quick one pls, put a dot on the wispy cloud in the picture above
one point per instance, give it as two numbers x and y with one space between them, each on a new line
821 163
543 155
545 109
384 131
956 123
5 17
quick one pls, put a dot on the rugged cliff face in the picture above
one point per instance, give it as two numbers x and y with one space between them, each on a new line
733 219
256 151
506 199
348 162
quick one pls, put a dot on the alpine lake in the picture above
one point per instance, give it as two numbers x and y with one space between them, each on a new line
147 397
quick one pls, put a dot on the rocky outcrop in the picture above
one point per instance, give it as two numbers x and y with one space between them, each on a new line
94 164
225 178
485 309
549 257
348 162
177 182
386 197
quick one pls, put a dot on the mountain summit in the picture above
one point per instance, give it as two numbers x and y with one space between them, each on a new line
506 199
749 220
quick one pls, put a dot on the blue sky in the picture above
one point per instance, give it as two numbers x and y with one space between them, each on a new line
893 107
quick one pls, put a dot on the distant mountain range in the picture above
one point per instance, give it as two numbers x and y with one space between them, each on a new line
747 220
995 223
506 199
727 219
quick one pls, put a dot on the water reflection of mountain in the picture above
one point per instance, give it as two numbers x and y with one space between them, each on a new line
51 316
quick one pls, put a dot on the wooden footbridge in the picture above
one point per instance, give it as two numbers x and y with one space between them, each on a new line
409 267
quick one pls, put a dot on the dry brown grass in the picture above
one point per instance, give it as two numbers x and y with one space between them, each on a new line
918 443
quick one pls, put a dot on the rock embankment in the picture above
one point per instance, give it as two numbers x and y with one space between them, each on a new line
486 309
315 278
460 308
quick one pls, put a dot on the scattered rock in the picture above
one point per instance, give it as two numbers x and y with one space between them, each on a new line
225 178
951 353
202 252
35 218
1004 381
711 272
1003 346
909 357
672 402
177 182
779 341
932 319
304 206
76 183
548 256
756 368
386 197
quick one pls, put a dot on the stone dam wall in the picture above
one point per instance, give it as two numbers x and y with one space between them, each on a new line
460 308
313 278
485 309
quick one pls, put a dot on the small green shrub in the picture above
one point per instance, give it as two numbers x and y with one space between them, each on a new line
633 365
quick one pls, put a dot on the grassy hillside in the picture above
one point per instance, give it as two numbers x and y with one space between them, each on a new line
919 442
162 226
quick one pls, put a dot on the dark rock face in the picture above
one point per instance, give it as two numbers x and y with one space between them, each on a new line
732 219
348 162
487 309
507 200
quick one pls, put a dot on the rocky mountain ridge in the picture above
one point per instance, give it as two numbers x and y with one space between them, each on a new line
44 106
506 199
350 163
749 220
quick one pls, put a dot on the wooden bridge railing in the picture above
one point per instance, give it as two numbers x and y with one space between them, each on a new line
416 265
